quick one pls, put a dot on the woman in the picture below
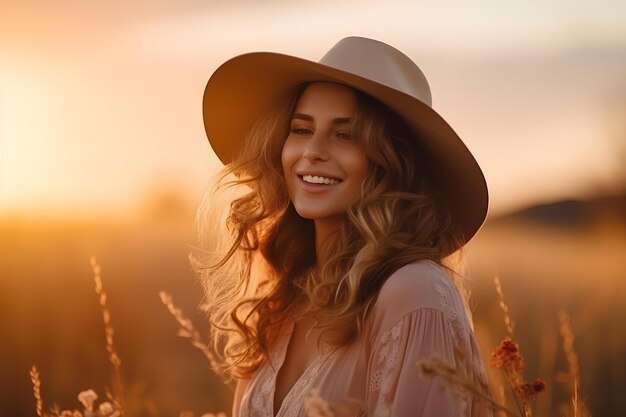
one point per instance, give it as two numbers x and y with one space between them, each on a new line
345 197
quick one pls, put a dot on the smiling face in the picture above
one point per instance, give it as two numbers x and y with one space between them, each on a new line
323 165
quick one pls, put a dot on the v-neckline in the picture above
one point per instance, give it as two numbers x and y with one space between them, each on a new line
284 347
276 368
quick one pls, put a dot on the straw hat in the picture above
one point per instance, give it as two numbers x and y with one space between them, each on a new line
247 86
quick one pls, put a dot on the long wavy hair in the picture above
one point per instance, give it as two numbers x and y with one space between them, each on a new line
256 257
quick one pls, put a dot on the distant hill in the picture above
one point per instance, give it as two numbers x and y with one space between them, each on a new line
572 213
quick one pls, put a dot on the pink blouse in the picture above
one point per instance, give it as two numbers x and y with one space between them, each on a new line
418 315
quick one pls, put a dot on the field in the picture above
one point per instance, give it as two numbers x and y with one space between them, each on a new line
573 262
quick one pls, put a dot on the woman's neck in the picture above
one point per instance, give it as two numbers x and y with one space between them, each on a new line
324 229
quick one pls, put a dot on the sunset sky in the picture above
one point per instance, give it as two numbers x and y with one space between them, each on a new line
100 102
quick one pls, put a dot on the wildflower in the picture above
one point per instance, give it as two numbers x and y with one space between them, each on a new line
106 409
539 385
531 389
507 356
87 398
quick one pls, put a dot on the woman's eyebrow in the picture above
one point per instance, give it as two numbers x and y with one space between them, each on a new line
342 120
302 116
309 118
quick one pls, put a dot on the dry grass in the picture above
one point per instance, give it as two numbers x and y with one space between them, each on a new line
508 322
571 378
187 329
36 381
116 394
439 367
508 357
115 407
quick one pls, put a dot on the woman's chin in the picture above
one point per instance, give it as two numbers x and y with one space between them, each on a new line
317 214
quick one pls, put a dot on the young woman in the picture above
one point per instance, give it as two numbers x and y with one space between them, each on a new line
345 194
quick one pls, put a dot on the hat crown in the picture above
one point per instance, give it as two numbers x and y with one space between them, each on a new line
381 63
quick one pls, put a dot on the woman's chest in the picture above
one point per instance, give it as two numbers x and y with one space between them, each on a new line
302 351
284 385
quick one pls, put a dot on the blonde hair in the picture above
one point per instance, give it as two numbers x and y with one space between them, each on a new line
259 268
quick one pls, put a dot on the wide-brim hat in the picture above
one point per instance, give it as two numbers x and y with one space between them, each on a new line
250 85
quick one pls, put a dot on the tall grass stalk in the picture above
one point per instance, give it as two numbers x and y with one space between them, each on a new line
36 381
508 357
187 329
439 367
571 378
508 322
116 393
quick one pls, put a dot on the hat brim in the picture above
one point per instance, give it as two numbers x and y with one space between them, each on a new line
248 86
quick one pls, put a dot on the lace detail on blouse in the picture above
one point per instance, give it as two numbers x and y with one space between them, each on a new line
453 308
387 362
259 400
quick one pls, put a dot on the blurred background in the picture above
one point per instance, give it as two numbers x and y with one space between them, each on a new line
103 152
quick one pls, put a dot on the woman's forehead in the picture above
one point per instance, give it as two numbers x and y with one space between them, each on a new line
320 98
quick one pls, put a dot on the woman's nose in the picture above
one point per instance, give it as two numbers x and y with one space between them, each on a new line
316 148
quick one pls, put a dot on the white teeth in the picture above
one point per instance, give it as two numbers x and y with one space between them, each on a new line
314 179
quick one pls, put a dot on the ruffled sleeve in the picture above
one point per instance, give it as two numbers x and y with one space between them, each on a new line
416 318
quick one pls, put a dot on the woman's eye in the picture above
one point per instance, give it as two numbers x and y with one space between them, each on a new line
300 131
344 135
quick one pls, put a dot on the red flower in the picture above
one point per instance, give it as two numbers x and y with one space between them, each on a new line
508 357
530 390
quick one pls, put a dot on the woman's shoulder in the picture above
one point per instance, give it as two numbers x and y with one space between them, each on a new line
420 286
